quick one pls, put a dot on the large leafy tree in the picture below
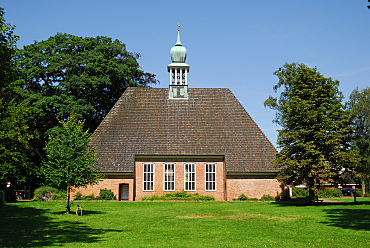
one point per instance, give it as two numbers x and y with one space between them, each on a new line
359 104
68 73
70 159
15 135
314 138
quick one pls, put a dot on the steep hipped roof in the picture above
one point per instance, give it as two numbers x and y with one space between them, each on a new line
144 121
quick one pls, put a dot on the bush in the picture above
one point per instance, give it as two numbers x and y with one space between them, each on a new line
299 192
106 194
179 196
44 193
88 197
60 195
242 197
267 198
78 196
359 192
278 197
328 193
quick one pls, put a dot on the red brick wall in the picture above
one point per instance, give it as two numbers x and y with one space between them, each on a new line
110 182
253 187
219 194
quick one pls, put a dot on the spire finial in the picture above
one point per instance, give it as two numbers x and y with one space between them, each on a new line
178 43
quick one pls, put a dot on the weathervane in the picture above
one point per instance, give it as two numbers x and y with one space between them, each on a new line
178 26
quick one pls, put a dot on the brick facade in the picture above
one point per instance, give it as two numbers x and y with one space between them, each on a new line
111 182
252 186
179 163
235 184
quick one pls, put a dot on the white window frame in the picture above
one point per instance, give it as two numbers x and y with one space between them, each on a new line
210 177
167 182
190 177
148 177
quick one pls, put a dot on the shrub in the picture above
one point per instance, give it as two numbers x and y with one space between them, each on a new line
242 197
267 198
328 193
106 194
44 193
359 192
88 197
78 196
299 192
182 196
60 195
278 197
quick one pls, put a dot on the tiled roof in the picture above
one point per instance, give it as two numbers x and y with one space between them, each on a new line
144 121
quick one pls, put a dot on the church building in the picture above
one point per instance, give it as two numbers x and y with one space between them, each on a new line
198 140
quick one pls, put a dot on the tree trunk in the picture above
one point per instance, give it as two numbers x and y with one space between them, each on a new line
68 198
363 187
311 195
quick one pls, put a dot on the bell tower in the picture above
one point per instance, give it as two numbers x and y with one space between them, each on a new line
178 70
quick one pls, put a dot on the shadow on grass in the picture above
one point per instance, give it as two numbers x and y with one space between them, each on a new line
302 202
357 219
86 212
27 226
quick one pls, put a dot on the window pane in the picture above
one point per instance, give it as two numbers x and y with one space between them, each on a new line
169 176
210 176
148 176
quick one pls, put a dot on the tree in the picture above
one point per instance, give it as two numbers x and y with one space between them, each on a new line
70 158
15 139
359 105
15 136
8 50
314 138
68 73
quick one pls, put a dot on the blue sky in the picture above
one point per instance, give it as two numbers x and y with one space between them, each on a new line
230 44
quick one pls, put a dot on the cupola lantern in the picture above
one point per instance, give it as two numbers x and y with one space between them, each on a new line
178 70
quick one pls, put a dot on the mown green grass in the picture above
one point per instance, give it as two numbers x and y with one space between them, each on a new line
186 224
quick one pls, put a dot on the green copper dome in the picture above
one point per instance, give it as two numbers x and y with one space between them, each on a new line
178 52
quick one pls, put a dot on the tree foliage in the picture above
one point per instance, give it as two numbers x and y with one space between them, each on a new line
314 138
15 135
68 73
359 105
8 50
70 159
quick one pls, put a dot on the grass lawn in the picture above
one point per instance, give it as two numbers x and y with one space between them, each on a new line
186 224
